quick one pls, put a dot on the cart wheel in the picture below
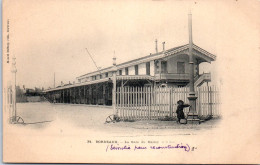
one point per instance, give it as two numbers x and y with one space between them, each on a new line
112 118
17 120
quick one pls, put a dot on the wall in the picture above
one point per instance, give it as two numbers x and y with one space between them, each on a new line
142 69
152 68
172 63
110 74
123 71
131 70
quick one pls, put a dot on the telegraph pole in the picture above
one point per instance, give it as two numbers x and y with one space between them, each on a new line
14 70
54 80
114 87
192 115
156 46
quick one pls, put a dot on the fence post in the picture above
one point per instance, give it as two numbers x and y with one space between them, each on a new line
123 103
141 102
149 106
151 103
136 102
131 102
118 101
199 101
128 102
209 100
145 103
170 102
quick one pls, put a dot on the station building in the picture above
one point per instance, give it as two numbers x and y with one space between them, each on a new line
166 68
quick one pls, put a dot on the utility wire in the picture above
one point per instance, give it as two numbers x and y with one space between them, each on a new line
93 61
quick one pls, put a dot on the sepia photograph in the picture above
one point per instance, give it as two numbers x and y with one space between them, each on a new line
130 81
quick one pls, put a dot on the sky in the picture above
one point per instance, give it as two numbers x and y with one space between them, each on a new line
50 37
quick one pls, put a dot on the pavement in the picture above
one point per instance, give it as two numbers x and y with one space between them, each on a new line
42 115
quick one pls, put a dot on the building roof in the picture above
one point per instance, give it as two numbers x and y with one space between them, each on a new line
162 54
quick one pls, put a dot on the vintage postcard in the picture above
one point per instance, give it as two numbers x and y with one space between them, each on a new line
131 81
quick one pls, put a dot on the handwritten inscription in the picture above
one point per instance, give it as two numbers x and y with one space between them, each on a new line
117 147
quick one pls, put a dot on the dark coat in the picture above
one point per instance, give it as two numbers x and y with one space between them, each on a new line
179 111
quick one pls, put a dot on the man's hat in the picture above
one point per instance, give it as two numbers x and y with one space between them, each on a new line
178 102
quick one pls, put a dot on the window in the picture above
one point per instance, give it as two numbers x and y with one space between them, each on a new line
94 78
120 72
126 71
107 74
148 68
180 67
164 67
156 63
136 69
101 76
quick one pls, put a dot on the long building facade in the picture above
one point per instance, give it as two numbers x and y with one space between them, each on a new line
166 68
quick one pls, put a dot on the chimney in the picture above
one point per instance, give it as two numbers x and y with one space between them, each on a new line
114 61
156 48
163 44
